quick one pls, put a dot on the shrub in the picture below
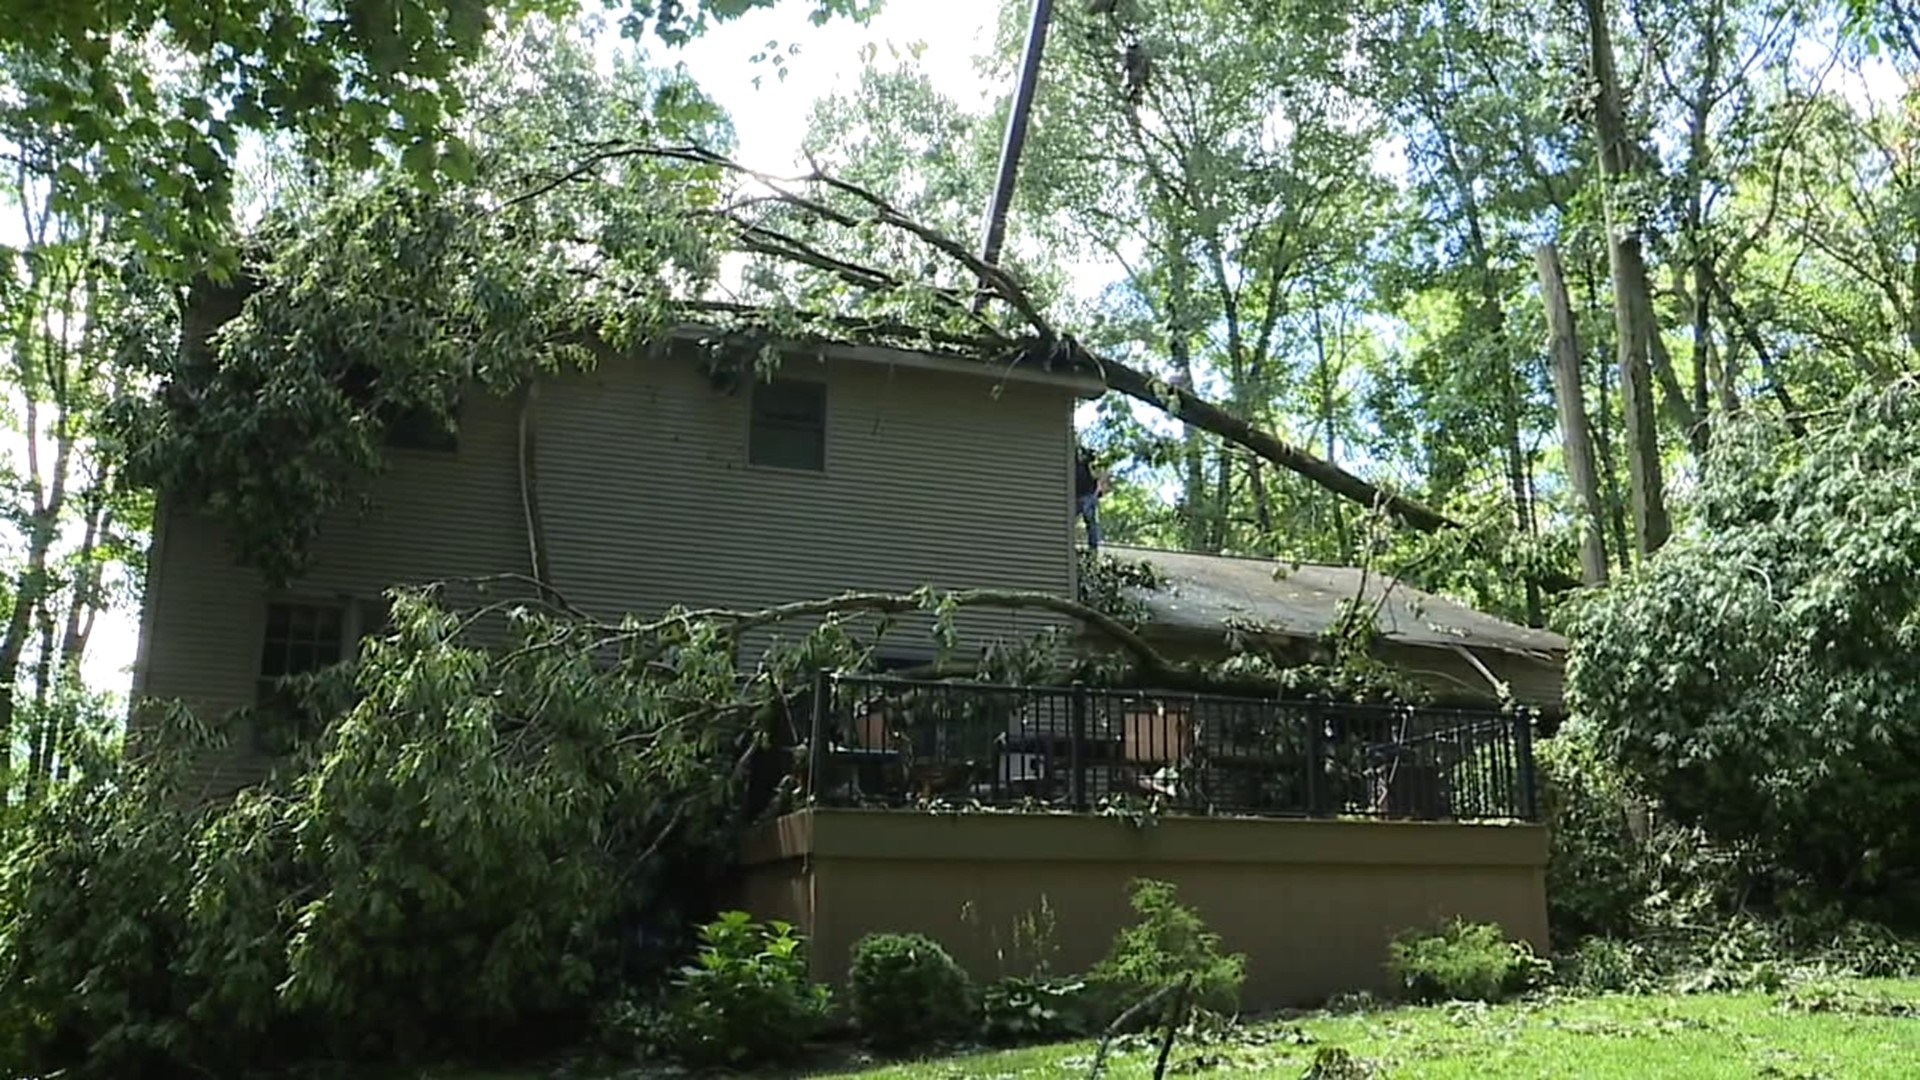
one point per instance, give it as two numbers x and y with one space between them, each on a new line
1024 1010
906 991
92 911
746 997
1602 965
1463 962
443 870
1756 675
1169 943
1596 873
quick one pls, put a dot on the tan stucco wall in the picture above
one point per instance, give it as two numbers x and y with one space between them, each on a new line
1313 904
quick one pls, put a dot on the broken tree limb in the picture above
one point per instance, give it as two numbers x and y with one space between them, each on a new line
1570 396
877 603
809 193
1185 405
1182 405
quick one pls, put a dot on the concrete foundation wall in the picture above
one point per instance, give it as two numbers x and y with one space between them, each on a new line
1313 904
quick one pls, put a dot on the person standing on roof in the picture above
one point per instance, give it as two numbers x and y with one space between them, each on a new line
1088 485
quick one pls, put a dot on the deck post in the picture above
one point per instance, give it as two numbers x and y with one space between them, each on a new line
1523 743
1076 745
822 684
1316 764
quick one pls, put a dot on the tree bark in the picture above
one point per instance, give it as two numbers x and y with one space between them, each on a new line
1632 298
1179 349
873 603
1569 394
1185 406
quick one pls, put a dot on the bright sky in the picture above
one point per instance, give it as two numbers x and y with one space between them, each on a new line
772 117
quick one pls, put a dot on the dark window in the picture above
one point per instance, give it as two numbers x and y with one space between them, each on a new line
789 425
300 639
418 428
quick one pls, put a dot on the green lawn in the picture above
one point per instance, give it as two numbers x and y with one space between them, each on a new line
1708 1035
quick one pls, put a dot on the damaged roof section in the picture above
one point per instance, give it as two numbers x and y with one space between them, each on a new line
1445 644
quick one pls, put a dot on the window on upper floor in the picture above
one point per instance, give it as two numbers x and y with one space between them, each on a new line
300 639
788 425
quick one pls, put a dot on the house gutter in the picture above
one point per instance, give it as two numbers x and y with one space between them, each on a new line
530 487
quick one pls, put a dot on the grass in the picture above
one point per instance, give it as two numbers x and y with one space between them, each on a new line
1858 1032
1856 1029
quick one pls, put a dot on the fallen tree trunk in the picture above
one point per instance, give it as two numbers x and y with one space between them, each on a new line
1184 405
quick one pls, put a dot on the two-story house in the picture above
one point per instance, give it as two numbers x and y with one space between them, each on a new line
654 484
647 483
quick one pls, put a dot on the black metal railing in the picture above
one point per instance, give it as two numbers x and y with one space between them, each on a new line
881 741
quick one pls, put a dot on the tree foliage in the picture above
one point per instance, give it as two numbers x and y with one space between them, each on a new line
370 300
459 861
1757 677
158 95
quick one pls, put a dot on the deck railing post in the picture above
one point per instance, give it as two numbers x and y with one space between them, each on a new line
1316 763
1523 745
822 686
1076 746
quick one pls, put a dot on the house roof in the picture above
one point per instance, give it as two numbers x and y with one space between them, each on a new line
1200 592
1029 364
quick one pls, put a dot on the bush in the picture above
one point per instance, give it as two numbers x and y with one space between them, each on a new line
1464 962
1596 869
1027 1010
1169 943
1602 965
444 870
746 997
1756 675
906 991
92 915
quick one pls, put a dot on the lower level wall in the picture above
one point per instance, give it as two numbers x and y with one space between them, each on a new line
1313 904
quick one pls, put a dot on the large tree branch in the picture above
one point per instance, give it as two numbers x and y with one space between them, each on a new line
1125 379
1186 406
876 603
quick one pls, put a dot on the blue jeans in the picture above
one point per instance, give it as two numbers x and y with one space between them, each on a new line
1089 513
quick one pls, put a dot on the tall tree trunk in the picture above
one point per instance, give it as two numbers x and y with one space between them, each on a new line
1262 504
1632 298
1699 156
1569 394
1323 376
1194 529
31 584
1220 516
41 736
1619 540
1493 316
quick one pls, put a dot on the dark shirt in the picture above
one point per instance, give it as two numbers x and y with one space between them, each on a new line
1083 481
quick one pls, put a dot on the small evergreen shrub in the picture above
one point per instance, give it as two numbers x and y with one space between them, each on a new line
1021 1009
1464 962
906 991
1167 944
745 998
